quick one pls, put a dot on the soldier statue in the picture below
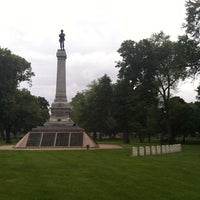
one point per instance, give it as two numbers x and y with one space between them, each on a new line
62 39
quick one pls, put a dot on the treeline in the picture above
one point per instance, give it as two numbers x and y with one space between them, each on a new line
109 109
141 101
19 110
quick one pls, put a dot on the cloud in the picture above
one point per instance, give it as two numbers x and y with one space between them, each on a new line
94 31
82 69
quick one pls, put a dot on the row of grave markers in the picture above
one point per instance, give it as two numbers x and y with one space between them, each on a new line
155 150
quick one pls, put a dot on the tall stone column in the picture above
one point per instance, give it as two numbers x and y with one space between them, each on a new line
60 109
61 76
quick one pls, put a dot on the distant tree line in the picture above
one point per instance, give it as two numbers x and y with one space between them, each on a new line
141 101
19 110
109 109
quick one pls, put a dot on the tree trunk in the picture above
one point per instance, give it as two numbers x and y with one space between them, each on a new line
184 136
126 138
95 135
149 138
8 138
100 136
141 138
3 135
168 124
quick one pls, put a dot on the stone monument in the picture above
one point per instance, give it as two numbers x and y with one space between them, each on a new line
60 130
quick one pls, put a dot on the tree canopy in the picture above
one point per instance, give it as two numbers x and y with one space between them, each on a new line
19 110
141 101
192 24
153 66
92 107
149 72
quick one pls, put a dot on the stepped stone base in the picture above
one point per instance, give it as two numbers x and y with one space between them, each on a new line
56 136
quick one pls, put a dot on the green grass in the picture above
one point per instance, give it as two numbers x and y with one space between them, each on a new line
99 174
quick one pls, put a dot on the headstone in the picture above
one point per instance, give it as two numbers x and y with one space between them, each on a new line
170 148
141 151
174 148
134 151
167 148
179 149
163 149
153 150
147 149
158 149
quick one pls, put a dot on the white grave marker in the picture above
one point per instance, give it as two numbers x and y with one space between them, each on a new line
153 150
179 148
170 148
147 149
134 151
158 149
141 151
163 149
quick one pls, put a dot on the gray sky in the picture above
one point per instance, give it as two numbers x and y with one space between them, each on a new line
94 31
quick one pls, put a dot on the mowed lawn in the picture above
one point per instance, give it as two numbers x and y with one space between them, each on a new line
99 174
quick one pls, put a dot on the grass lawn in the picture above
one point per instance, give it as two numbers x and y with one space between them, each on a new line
99 174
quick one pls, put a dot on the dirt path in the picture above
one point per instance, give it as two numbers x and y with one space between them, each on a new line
101 146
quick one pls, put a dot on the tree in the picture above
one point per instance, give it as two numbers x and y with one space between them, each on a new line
137 70
102 104
192 24
44 108
92 108
121 108
180 117
169 70
198 93
28 112
81 111
194 118
13 70
153 67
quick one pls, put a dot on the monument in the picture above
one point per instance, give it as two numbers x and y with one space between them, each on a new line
60 130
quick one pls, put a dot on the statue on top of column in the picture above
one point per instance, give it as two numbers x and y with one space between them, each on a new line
62 39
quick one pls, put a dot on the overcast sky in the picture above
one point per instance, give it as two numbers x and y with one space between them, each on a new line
94 31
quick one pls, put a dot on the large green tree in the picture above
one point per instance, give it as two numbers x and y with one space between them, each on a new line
170 69
121 108
136 71
180 117
29 111
13 70
92 107
153 67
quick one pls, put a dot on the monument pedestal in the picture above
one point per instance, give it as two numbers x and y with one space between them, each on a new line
60 130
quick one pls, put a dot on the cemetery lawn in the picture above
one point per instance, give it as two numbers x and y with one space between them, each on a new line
99 174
